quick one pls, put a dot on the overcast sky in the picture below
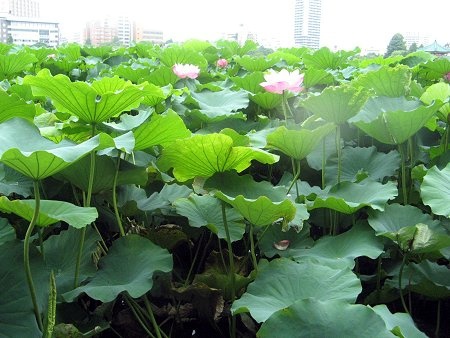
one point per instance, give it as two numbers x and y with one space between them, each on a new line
345 23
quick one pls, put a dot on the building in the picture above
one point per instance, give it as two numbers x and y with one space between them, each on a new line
142 33
307 17
20 8
124 30
417 38
28 31
100 32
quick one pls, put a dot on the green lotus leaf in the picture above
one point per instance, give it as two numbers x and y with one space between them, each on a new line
92 103
101 52
401 324
438 91
324 58
282 282
162 76
314 76
134 72
205 211
205 155
337 104
322 318
14 63
254 64
128 255
260 211
348 197
361 162
7 232
162 130
284 55
396 216
50 212
61 256
426 240
434 69
250 82
13 182
164 199
14 106
393 120
272 241
267 100
16 310
435 190
297 143
129 122
179 54
359 241
216 106
387 81
24 149
153 94
425 278
105 170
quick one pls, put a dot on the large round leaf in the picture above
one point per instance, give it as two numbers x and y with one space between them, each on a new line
282 282
93 103
359 241
435 190
204 211
348 197
129 266
50 212
297 143
334 318
24 149
14 106
205 155
337 104
393 120
16 310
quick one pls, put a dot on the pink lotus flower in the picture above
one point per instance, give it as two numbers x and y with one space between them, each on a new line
278 82
222 63
447 76
186 71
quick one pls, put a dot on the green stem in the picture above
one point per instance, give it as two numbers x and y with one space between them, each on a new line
26 255
87 203
296 172
403 159
323 163
137 315
114 196
41 242
378 279
283 107
252 248
152 317
194 260
339 152
400 275
232 270
438 319
446 135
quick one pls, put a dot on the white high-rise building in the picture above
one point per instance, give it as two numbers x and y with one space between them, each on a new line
20 8
307 15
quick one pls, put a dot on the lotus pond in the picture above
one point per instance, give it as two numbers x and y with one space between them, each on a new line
223 190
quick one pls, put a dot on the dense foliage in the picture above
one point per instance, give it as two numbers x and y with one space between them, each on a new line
201 190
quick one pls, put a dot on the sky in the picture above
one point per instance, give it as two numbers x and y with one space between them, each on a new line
346 24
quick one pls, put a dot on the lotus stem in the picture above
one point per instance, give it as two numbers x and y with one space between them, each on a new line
131 304
232 270
26 255
446 134
400 275
252 248
378 279
339 152
403 164
284 106
323 163
87 203
152 317
438 319
114 196
296 172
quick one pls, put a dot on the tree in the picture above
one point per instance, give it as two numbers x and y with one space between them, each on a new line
397 43
413 47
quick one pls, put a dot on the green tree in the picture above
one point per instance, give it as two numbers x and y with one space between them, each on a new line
413 47
397 43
